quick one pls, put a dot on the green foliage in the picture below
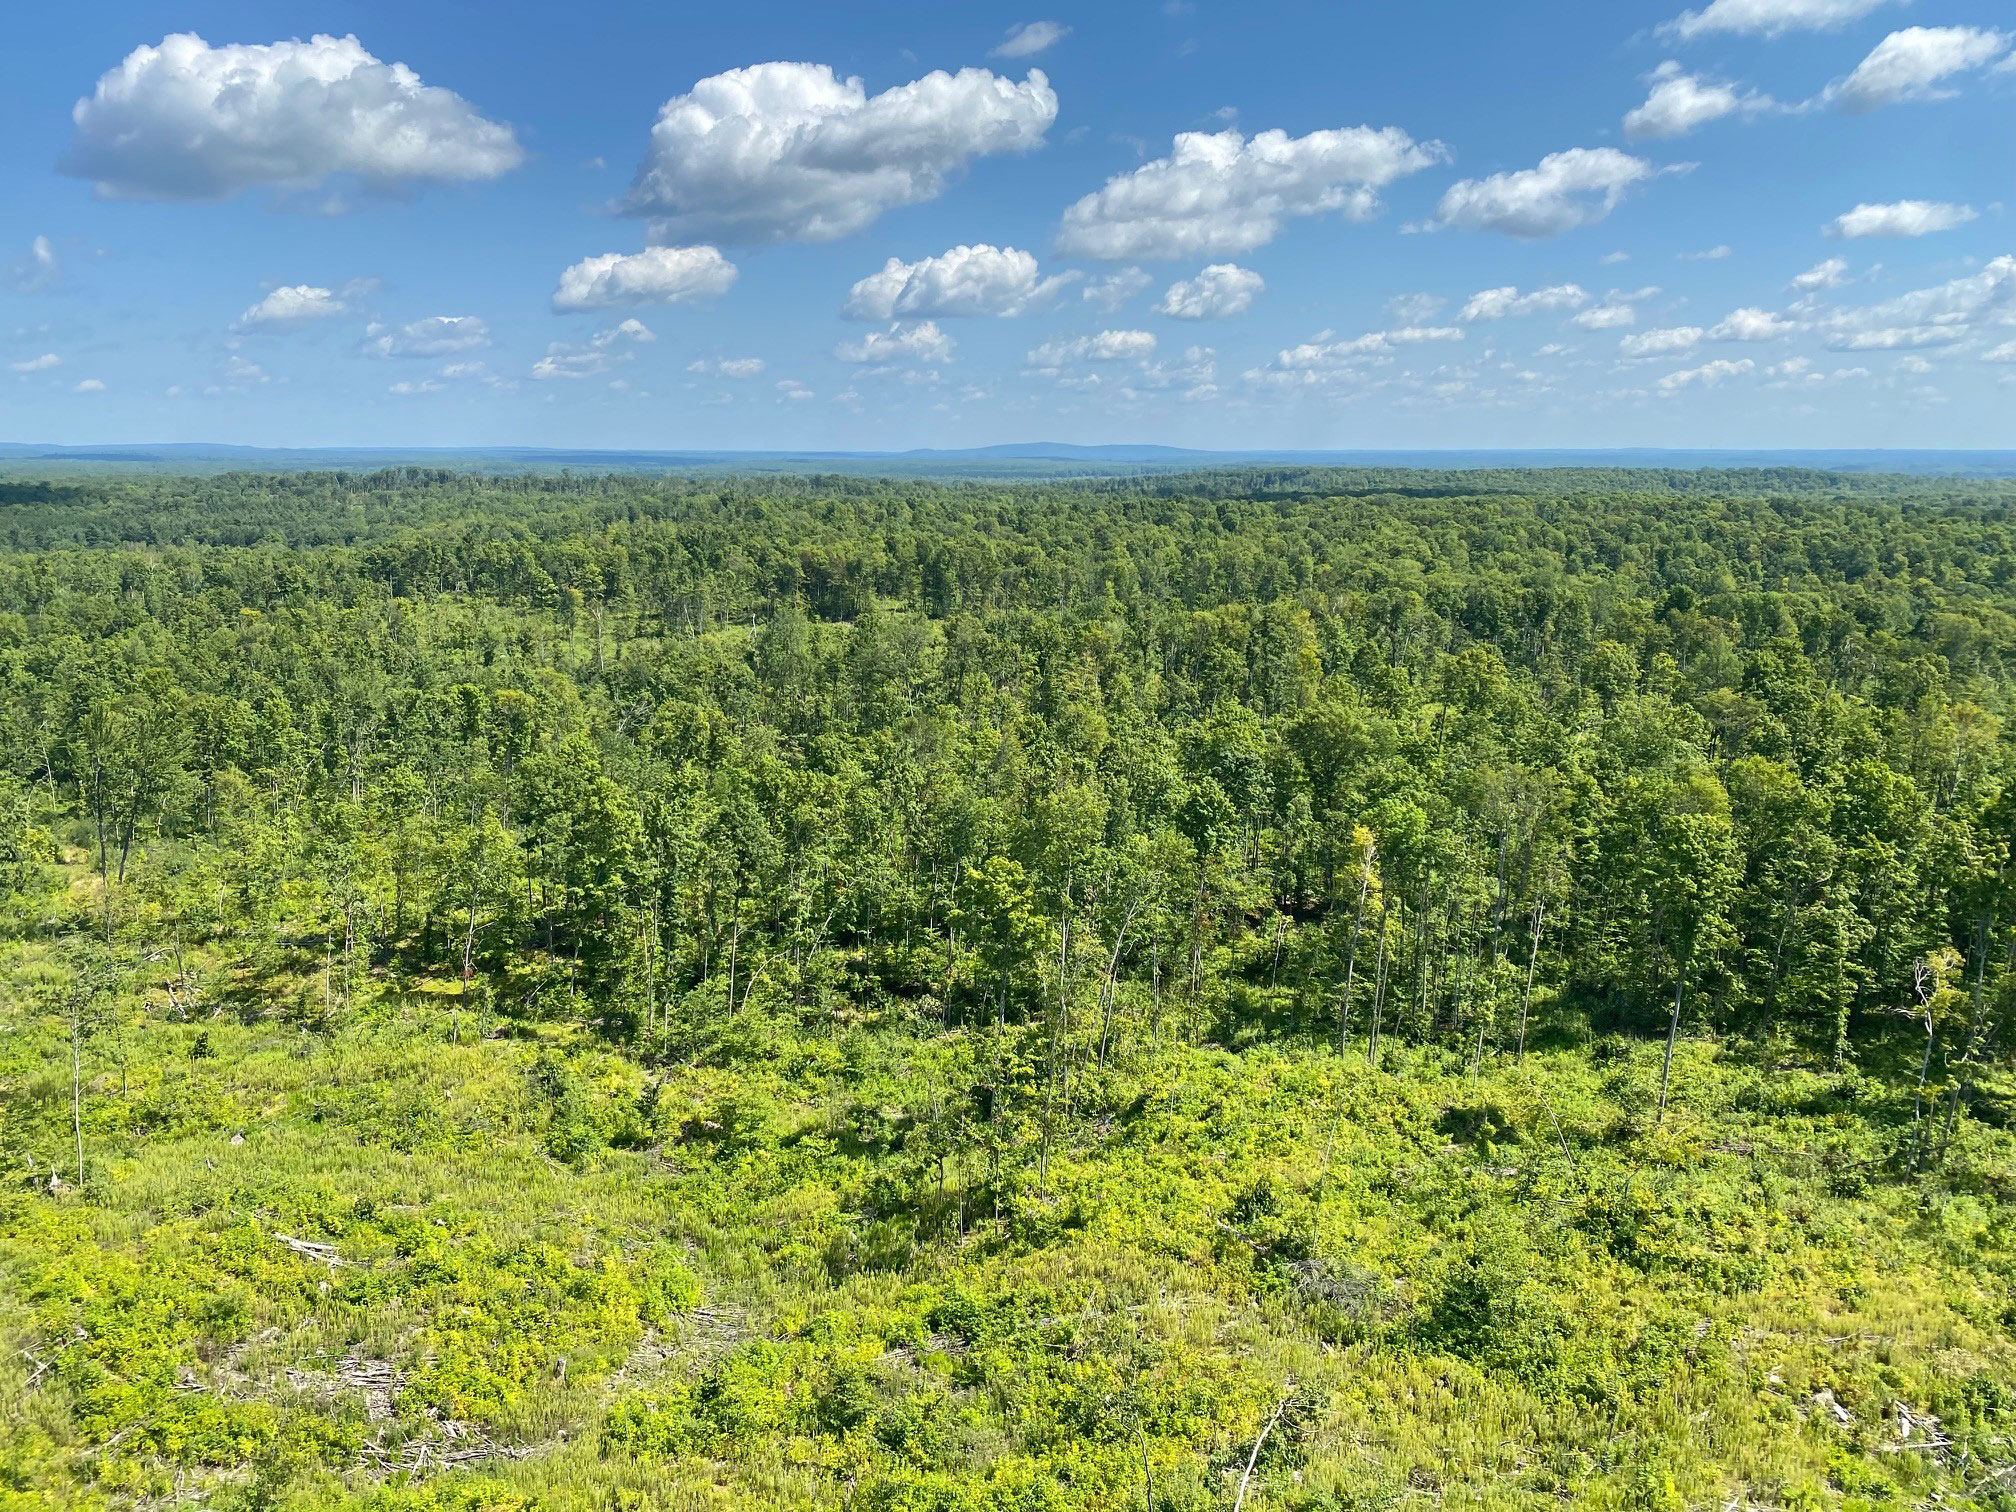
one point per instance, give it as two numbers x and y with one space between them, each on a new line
616 992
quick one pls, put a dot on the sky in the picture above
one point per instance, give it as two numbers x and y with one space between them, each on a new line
1253 225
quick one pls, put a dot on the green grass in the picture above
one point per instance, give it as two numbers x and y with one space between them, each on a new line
569 1277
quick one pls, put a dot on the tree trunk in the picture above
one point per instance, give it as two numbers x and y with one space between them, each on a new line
1672 1037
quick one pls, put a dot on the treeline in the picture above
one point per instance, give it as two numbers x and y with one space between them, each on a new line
1063 772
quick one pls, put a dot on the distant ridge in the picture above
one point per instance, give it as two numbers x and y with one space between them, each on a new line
1005 460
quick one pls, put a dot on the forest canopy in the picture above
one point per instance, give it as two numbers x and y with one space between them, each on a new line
1296 987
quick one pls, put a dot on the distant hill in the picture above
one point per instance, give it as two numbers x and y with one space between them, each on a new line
1007 460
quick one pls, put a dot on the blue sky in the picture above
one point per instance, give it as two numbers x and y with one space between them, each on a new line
1766 223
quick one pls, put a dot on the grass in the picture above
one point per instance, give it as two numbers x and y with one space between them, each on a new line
568 1276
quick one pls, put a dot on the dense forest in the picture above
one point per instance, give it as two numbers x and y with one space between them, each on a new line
1278 989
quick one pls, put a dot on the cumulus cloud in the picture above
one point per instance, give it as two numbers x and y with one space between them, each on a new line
436 336
1218 194
975 280
1497 304
2003 353
40 364
1707 375
1106 346
1607 316
1910 64
1665 342
657 275
1942 315
290 305
919 342
188 121
1326 353
631 329
1768 18
1904 218
1752 324
791 152
1567 189
727 367
1219 290
1830 274
601 352
1680 102
1108 293
1029 39
792 389
37 271
89 386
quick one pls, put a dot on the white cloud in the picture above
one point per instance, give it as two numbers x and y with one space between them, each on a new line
1707 375
1942 315
975 280
188 121
1496 304
602 351
1218 194
1904 218
921 342
1665 342
1680 102
1897 338
657 275
436 336
1909 64
1220 290
407 386
474 372
1607 316
290 305
791 152
727 367
1030 38
631 329
1710 254
40 364
1973 297
1415 309
1325 353
2003 353
1107 346
1831 274
1567 189
1799 372
37 271
1752 324
1768 18
89 386
1107 294
792 389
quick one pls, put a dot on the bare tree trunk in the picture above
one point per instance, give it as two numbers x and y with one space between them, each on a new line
1253 1459
77 1076
1672 1037
1379 988
1532 961
1351 962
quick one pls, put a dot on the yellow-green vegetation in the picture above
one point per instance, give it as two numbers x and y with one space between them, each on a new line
1277 992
